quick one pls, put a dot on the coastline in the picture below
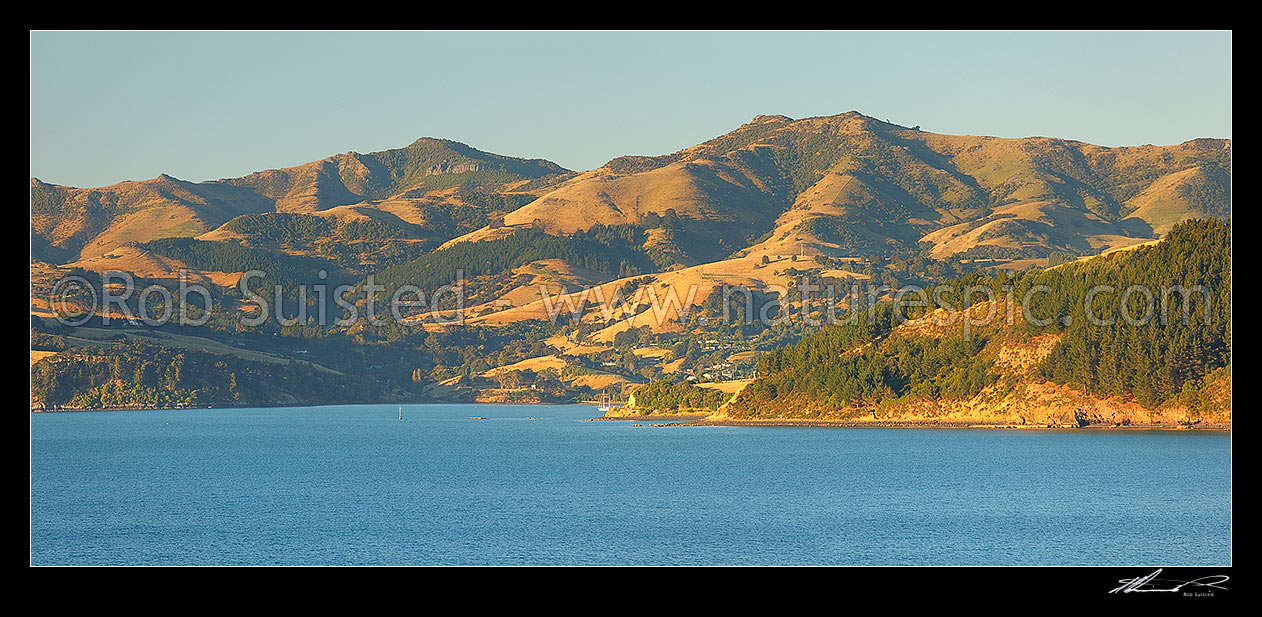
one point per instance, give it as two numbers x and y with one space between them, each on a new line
801 423
35 410
693 417
702 419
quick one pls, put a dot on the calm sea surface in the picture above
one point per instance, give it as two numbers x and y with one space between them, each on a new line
353 485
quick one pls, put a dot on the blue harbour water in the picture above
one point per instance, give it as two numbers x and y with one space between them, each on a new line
353 485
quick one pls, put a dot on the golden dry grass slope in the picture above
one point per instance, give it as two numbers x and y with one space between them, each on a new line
837 184
69 223
840 186
848 184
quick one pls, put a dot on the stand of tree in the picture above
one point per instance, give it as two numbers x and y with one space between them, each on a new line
682 396
1187 331
615 250
1186 336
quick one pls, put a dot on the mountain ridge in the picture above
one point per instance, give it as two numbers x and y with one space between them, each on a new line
71 218
845 200
831 189
908 175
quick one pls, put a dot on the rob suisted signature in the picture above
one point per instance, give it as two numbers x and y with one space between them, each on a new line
1151 583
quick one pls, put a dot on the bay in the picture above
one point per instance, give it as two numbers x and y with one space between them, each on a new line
353 485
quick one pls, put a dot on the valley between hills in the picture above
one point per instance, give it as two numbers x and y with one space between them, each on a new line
619 281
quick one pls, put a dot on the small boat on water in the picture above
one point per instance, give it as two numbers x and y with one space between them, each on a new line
400 413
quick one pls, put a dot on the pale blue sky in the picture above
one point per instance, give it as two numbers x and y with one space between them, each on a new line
107 107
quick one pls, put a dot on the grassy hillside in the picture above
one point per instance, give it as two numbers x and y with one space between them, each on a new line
850 183
836 185
78 222
844 200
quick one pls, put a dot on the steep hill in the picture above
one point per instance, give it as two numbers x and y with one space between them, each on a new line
837 185
850 184
848 189
644 249
69 223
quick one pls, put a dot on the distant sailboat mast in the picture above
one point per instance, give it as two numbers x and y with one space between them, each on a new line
604 404
400 413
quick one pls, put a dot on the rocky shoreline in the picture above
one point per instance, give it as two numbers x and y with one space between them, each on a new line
949 424
691 417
